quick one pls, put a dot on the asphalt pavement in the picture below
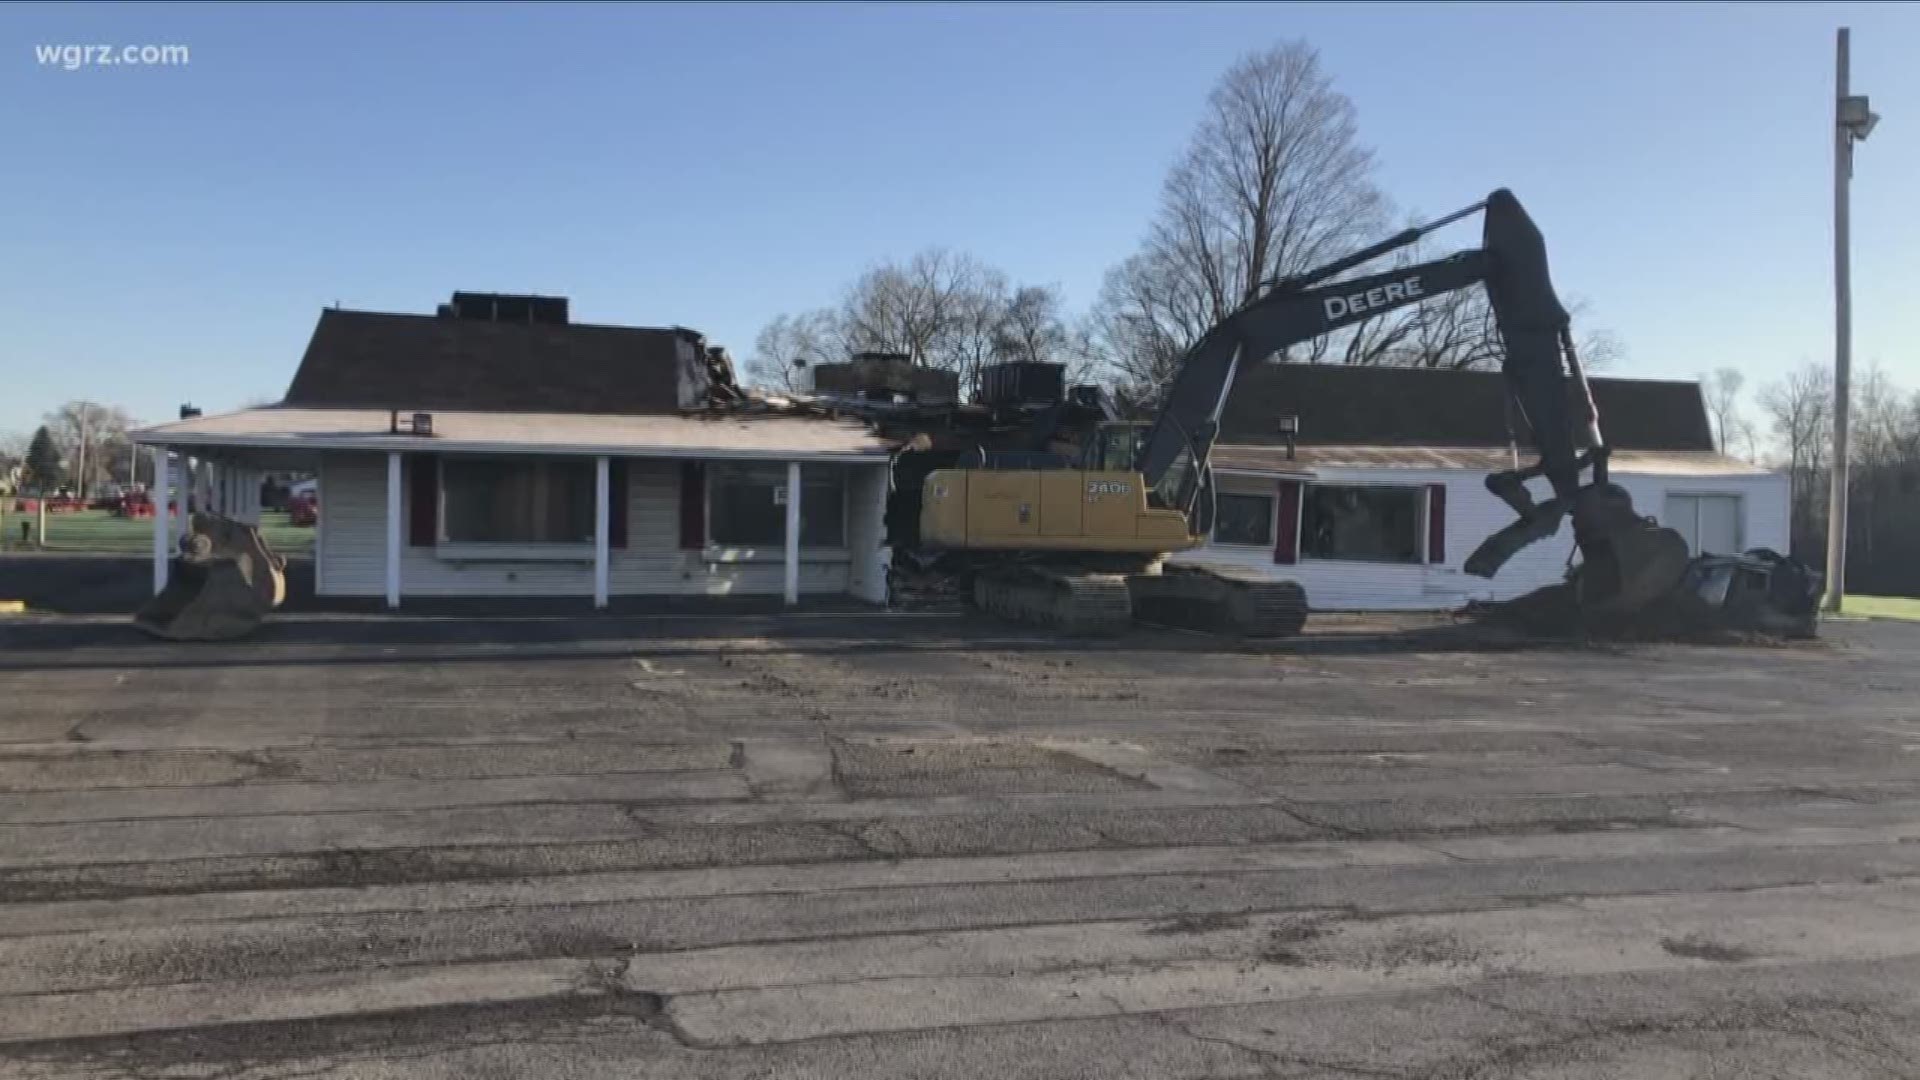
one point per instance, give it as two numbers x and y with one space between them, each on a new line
737 843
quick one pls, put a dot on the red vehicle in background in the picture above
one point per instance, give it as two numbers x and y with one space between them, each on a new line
134 504
303 509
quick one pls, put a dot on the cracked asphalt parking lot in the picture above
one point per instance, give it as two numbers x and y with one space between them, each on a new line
840 844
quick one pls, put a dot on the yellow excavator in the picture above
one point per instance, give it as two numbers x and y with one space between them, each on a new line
1080 543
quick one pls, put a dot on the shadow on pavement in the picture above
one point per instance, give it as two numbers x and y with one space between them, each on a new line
84 602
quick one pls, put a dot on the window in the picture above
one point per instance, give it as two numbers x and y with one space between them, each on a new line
1711 523
747 505
1243 519
1362 523
525 501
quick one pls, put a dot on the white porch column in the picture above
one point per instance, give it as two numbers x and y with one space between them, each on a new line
793 532
162 530
602 506
393 528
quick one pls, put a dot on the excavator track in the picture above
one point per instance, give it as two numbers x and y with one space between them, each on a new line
1219 600
1071 601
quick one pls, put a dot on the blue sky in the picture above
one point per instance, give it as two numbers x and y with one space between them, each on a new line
170 233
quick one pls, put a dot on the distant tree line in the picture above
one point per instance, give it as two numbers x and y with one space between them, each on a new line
1792 430
80 447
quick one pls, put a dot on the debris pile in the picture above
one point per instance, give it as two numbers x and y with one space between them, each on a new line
1756 597
917 584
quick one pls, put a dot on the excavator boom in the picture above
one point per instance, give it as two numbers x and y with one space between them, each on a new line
1028 512
1544 379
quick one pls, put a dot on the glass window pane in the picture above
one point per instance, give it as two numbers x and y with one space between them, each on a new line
741 510
1243 519
823 506
1361 523
492 500
746 505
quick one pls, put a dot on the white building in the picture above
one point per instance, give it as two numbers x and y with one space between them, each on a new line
1383 497
498 449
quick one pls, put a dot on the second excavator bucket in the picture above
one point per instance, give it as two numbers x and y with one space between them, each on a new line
222 585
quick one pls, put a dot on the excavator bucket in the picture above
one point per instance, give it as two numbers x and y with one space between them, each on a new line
1628 562
224 582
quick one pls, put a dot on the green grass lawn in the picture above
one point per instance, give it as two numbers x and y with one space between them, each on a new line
1881 607
100 530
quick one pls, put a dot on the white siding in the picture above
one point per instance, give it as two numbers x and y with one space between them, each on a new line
867 534
353 506
353 502
1473 514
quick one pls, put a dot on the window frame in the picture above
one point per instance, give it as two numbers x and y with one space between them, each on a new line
1271 498
447 547
717 551
1422 526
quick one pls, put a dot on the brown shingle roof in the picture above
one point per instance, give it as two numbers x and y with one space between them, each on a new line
368 359
1339 405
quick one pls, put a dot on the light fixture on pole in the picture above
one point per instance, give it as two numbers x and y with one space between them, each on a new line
1854 120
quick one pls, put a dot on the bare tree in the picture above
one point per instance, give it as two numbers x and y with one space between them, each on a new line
970 340
1032 325
789 345
1720 391
1273 182
1799 409
910 307
1146 318
93 439
939 308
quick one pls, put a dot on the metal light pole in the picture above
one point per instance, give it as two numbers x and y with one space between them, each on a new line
1853 121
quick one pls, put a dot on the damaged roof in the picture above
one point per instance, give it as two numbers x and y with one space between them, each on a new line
382 360
1343 405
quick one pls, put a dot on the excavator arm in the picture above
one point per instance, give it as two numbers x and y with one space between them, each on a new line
1544 379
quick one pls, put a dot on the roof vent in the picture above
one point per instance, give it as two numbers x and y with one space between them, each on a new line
507 308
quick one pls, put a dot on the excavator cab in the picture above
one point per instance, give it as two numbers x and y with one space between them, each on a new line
1115 446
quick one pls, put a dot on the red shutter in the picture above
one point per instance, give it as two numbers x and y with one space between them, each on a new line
1436 523
423 506
617 502
693 505
1286 528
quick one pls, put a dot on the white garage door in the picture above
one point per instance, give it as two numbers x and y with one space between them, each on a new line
1711 523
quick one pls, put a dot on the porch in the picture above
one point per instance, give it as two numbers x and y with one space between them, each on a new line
720 509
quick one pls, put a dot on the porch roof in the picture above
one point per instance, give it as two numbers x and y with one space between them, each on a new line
278 427
1274 460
